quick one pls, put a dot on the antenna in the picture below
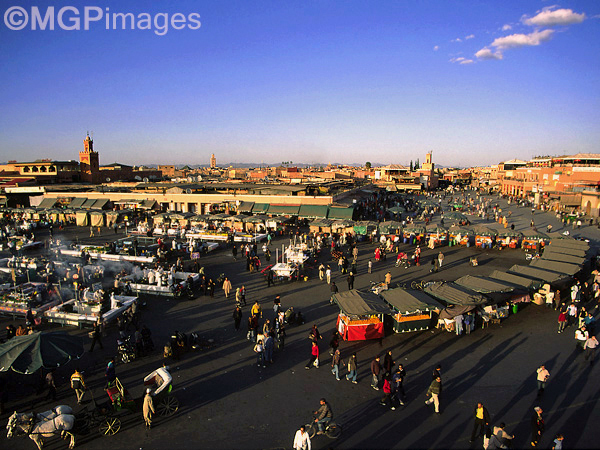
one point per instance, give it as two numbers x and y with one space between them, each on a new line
92 135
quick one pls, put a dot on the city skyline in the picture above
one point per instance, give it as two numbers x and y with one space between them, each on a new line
477 83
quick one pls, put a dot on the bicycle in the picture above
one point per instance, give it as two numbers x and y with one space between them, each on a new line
332 430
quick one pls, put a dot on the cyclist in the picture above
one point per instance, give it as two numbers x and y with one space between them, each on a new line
324 415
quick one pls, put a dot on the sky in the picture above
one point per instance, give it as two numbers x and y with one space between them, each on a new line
307 81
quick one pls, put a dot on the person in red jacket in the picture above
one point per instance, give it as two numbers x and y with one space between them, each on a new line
562 321
314 358
387 393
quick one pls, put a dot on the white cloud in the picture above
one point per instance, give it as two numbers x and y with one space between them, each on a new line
436 48
461 60
471 36
521 40
506 27
486 53
549 18
456 40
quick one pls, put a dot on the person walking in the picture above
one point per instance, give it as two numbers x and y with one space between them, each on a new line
350 281
482 421
51 385
387 393
256 309
398 380
227 287
269 345
148 408
352 368
542 378
328 274
458 320
259 349
335 364
237 317
562 321
97 334
590 347
302 439
78 385
434 391
388 278
370 266
321 271
375 371
388 364
440 259
334 290
537 426
314 356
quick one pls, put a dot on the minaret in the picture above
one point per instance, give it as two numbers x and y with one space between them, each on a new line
213 161
89 161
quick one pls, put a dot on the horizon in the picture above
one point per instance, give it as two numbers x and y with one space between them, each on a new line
476 83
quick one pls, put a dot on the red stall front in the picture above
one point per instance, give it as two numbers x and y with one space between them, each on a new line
361 315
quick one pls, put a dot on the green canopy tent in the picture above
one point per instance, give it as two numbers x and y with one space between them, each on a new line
553 278
455 217
365 227
390 227
26 354
453 294
562 257
560 267
517 280
361 315
413 309
496 290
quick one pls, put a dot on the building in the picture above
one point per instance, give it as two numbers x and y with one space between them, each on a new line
89 162
213 161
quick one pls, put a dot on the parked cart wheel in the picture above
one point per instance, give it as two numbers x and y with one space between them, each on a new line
168 406
110 426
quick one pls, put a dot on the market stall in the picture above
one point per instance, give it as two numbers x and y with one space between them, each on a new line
484 236
437 233
507 238
555 266
496 290
361 315
459 235
413 234
532 239
524 282
453 294
413 310
553 278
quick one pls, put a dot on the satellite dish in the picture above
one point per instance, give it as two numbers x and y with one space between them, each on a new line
107 179
188 191
138 178
145 180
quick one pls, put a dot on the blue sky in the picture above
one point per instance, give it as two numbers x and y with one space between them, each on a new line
476 82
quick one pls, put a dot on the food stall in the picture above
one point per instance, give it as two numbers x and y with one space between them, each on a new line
16 300
524 282
456 218
342 226
413 310
413 234
438 233
361 315
390 229
484 236
459 235
321 226
453 294
532 238
555 266
555 279
497 290
508 238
